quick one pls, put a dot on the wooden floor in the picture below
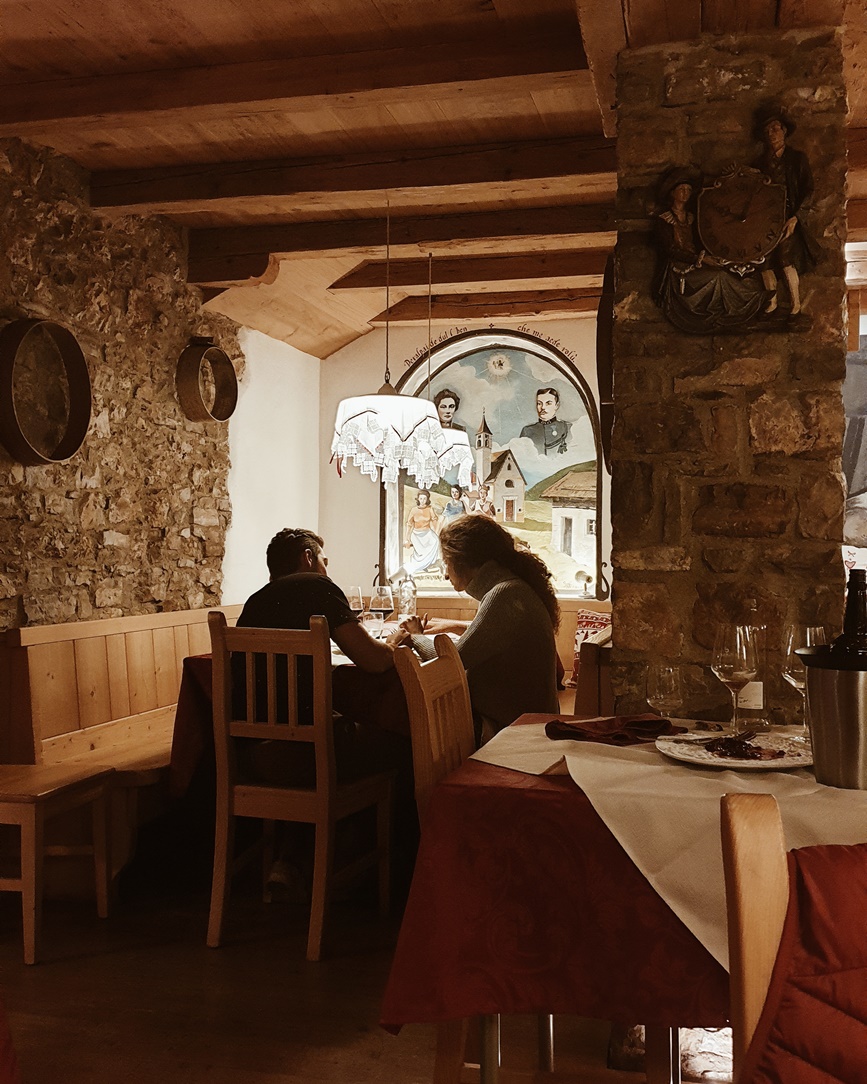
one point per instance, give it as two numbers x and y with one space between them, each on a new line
139 998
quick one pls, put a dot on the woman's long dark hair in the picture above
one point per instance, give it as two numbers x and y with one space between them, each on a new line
470 541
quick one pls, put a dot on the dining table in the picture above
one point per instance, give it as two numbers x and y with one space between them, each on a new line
572 877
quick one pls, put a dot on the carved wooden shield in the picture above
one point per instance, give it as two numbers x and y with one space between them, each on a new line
741 217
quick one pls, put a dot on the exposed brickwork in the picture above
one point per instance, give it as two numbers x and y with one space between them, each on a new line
136 520
726 482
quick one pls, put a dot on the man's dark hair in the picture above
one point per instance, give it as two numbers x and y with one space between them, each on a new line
287 547
447 393
549 391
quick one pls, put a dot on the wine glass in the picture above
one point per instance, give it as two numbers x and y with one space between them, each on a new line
372 622
794 670
735 663
664 689
355 599
381 603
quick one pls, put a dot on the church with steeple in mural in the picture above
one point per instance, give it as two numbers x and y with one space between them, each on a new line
500 472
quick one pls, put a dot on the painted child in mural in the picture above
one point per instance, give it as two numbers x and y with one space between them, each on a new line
548 434
422 539
693 289
458 505
796 251
447 402
483 505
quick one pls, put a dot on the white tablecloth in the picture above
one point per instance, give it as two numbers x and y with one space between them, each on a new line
666 814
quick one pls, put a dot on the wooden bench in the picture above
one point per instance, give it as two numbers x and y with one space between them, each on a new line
99 694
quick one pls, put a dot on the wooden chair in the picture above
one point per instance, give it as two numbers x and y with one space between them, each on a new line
440 716
593 693
31 794
757 896
272 713
441 727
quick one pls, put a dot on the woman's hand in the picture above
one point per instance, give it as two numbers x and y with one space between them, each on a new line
397 637
414 626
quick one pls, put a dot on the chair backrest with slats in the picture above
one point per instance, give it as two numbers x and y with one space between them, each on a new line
440 715
272 684
757 896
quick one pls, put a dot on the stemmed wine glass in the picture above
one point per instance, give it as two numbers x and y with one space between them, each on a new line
381 603
664 692
355 599
794 670
735 663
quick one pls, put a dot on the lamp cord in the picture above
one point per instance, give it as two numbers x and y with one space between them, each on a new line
387 283
429 306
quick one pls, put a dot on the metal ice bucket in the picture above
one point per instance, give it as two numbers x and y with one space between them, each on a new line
838 713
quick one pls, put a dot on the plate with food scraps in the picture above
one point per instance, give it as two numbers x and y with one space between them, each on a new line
762 753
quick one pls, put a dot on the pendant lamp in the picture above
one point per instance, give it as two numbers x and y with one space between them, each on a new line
385 433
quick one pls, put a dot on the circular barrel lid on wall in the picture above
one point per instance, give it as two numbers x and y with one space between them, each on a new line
188 381
13 347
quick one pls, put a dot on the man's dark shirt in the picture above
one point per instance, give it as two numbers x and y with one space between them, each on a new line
288 603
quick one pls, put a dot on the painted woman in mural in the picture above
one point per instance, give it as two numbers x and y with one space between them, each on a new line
422 540
483 505
458 505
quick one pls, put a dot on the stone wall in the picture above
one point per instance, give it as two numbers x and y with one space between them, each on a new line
726 483
135 521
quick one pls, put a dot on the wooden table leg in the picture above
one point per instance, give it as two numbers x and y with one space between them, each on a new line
545 1042
489 1055
662 1055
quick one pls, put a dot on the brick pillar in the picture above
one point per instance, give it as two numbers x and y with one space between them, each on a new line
726 482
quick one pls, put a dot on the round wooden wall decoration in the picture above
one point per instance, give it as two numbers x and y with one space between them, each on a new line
13 346
189 383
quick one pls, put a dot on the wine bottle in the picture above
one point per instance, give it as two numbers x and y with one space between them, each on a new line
751 698
853 640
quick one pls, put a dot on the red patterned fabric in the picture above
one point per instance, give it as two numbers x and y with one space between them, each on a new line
813 1029
524 902
612 730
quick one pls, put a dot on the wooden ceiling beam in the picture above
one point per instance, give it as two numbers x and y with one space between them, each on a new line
506 64
229 256
603 34
196 187
480 269
446 308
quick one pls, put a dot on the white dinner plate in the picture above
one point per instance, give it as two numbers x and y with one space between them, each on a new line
691 750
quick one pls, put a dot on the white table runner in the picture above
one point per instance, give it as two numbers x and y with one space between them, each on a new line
666 815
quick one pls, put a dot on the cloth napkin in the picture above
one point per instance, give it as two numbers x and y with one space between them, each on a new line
613 730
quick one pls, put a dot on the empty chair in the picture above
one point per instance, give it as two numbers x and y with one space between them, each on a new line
440 716
280 690
797 928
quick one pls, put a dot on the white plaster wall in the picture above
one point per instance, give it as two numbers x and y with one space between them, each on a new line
349 506
274 453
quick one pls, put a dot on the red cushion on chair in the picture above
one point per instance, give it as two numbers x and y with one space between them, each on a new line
814 1024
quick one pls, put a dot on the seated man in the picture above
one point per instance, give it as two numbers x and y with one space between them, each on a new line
368 696
298 589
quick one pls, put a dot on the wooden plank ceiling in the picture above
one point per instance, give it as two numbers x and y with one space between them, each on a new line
279 132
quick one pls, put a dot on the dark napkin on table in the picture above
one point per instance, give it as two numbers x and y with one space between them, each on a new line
615 730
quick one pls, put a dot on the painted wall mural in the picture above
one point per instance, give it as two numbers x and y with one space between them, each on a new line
533 430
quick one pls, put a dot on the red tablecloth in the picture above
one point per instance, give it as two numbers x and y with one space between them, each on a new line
524 902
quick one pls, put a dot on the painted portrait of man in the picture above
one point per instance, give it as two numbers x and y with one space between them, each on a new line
548 434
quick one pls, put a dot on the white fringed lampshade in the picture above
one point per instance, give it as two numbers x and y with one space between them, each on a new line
389 432
457 453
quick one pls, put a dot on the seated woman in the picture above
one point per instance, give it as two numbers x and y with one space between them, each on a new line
508 649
